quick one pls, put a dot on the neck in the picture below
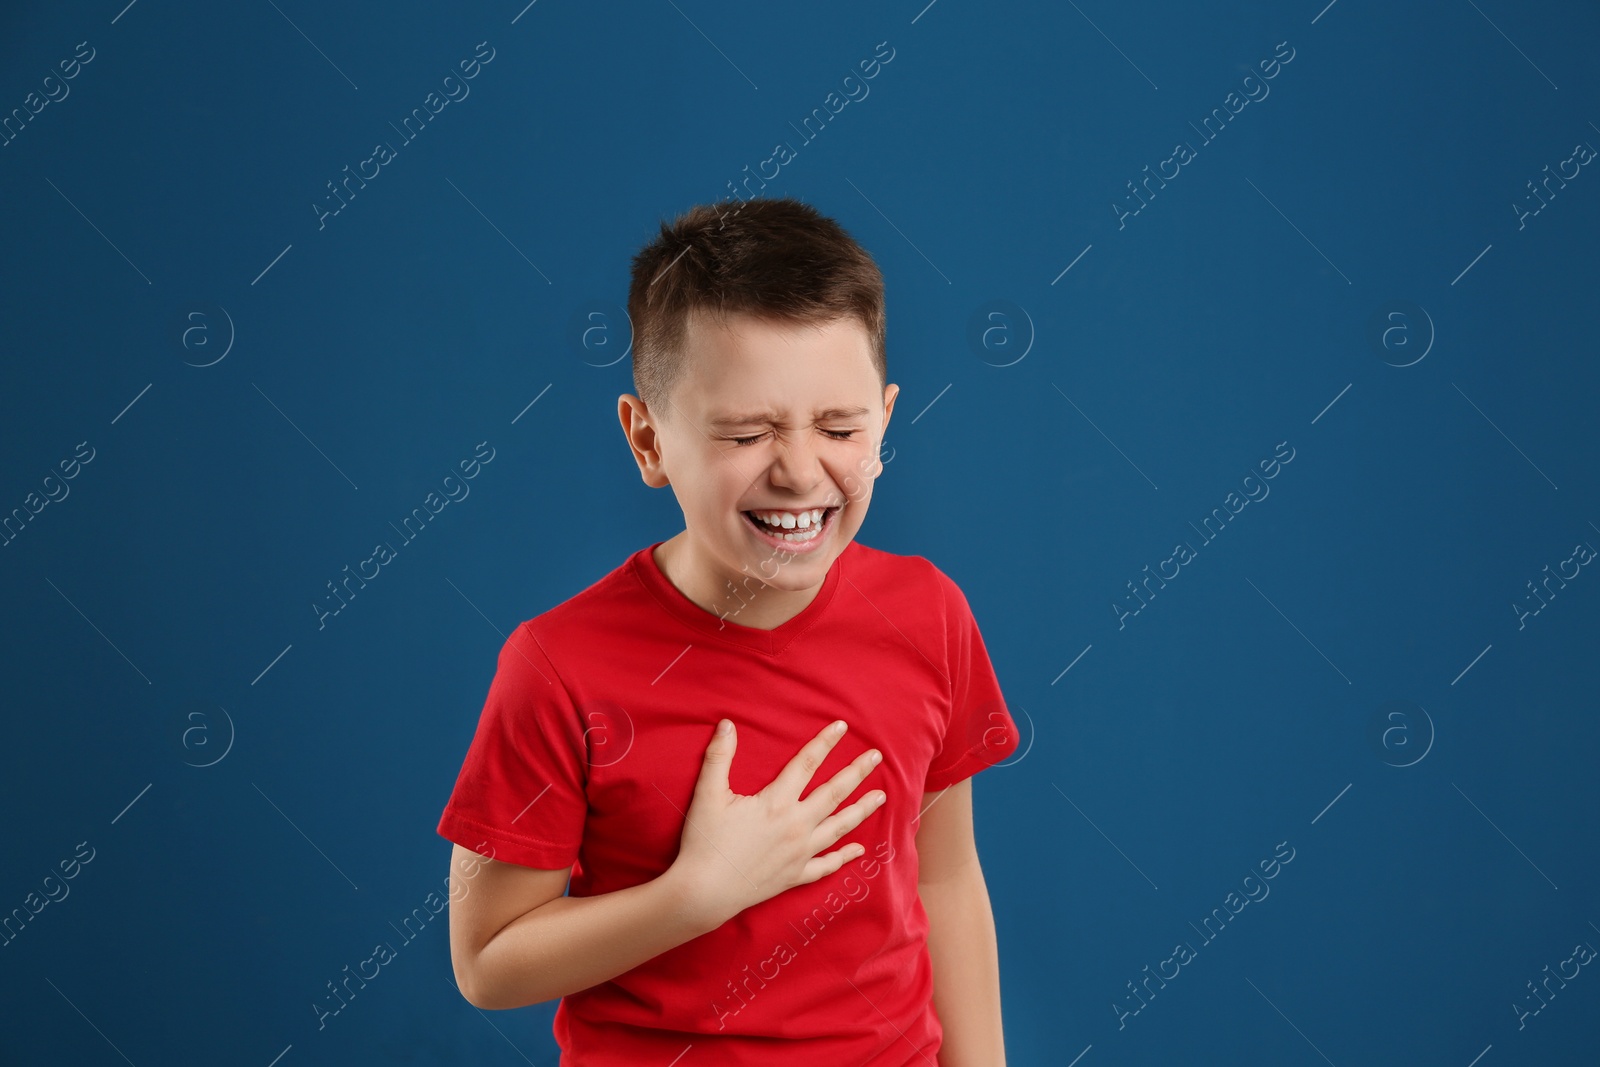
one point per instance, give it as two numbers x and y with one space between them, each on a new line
739 598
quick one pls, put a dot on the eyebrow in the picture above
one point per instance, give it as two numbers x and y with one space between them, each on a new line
755 417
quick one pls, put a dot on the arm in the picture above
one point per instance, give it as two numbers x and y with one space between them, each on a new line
961 935
516 940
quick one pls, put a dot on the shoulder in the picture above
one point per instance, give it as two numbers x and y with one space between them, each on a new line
896 567
912 582
585 617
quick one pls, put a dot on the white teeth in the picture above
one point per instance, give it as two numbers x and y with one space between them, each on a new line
808 524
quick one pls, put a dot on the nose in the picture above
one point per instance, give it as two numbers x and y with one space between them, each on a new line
795 464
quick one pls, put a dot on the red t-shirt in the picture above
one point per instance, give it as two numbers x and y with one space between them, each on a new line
587 752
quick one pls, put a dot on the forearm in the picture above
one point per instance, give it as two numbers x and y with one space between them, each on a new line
966 968
572 943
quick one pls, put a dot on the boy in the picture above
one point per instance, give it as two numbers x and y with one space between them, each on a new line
716 914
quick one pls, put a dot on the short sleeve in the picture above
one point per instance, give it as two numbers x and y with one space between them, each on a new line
980 731
520 795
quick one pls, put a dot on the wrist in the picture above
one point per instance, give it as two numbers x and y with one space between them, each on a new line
689 901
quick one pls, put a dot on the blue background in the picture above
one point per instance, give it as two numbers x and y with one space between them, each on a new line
260 794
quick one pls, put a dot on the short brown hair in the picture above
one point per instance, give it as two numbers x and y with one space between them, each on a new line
774 257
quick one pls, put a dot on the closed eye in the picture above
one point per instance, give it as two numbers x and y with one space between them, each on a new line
837 435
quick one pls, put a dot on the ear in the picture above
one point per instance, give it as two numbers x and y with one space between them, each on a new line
638 427
890 392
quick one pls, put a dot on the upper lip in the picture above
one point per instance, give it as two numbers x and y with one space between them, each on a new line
790 507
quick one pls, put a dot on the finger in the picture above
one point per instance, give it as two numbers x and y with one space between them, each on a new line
822 866
798 771
719 756
832 793
844 820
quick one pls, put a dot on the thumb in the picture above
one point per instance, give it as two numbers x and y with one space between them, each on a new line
718 757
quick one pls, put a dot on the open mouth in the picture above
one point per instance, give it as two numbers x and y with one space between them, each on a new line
808 528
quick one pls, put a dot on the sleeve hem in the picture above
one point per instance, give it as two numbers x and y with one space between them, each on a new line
508 848
947 778
977 759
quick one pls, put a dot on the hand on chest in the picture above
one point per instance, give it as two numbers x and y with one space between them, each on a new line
646 754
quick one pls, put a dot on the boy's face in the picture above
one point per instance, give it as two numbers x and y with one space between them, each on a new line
767 417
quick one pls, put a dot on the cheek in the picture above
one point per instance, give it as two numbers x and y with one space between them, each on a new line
725 485
857 478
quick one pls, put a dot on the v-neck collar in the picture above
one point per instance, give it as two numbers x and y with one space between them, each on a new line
770 642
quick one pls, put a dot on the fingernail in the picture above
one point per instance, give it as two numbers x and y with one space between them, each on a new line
874 757
838 727
723 727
